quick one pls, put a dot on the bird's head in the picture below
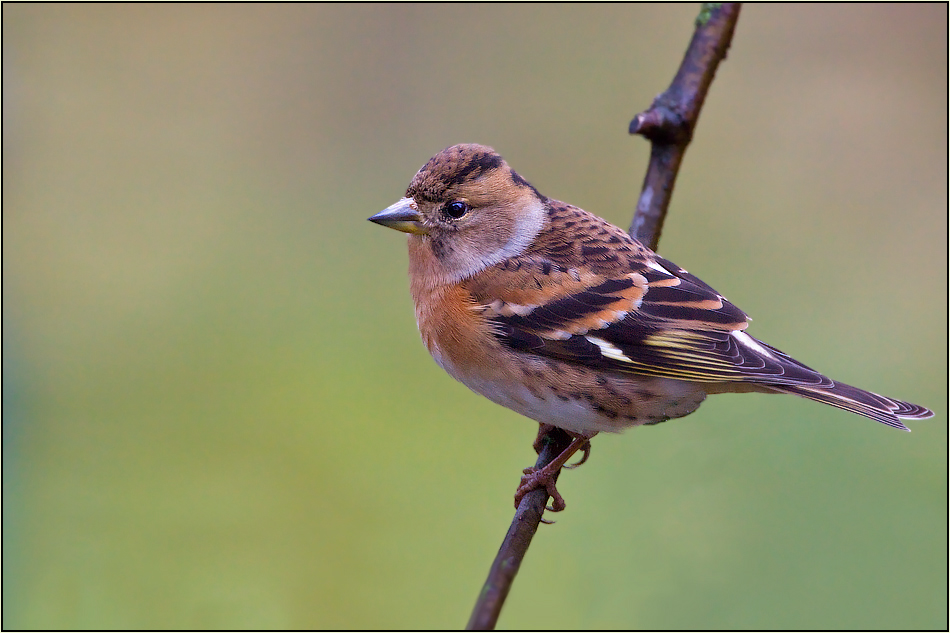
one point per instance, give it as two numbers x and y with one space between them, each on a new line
469 209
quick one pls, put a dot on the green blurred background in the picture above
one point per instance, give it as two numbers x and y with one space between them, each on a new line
216 408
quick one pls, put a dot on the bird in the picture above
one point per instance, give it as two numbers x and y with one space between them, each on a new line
557 314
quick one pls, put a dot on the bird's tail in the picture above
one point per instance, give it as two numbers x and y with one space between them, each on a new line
870 405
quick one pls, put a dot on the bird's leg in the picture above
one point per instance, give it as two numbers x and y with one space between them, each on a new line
585 448
543 429
544 477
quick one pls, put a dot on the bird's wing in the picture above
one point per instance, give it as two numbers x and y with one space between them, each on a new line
641 315
587 293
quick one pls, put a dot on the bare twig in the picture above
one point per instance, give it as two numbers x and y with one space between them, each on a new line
669 125
517 540
670 121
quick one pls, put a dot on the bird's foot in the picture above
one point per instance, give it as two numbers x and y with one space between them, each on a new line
535 478
545 477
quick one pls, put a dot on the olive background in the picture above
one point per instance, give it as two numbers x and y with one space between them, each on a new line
217 412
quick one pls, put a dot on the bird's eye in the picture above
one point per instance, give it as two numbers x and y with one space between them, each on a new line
456 209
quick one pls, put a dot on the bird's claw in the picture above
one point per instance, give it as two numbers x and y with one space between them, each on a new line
540 478
535 478
586 450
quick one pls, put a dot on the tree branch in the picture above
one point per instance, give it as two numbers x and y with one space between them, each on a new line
669 125
671 119
513 548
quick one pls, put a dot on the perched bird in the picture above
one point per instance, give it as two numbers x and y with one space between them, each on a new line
557 314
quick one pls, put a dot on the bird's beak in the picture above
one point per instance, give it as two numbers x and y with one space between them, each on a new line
402 216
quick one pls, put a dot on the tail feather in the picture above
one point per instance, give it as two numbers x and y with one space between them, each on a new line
871 405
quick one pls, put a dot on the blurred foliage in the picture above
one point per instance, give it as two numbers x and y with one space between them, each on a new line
217 412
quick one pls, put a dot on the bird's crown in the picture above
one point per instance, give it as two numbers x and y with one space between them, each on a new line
459 167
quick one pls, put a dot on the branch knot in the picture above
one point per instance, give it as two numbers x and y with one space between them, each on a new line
662 124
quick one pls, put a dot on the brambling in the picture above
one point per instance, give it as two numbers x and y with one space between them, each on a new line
557 314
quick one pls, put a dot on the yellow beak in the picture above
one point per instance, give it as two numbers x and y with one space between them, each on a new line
402 216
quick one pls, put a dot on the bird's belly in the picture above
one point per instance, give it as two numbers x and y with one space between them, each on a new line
585 402
570 415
